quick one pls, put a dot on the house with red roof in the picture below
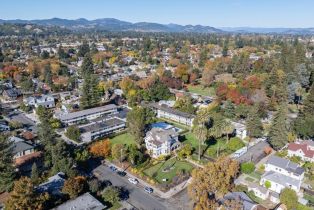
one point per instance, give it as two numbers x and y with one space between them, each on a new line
303 149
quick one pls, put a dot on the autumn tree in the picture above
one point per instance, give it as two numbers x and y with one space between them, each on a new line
6 164
25 197
75 186
185 104
215 179
101 148
182 72
119 152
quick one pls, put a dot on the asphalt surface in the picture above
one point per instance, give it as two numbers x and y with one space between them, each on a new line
20 117
137 196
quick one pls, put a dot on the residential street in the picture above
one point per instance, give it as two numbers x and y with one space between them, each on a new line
137 196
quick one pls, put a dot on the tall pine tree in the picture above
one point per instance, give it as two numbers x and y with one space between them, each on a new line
253 123
6 164
278 134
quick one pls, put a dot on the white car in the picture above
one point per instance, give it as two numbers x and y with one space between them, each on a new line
133 181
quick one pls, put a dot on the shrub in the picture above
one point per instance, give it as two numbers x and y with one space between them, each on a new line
247 168
235 144
111 194
73 133
267 184
289 198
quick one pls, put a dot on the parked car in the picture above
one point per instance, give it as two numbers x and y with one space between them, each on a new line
121 173
113 168
133 181
149 190
106 183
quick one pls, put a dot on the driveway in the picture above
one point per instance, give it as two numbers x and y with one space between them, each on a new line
137 196
254 153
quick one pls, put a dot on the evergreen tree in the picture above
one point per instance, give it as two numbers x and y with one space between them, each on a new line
90 93
48 75
278 134
304 125
87 67
253 123
35 174
6 164
229 110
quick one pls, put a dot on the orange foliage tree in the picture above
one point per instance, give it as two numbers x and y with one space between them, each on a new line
101 148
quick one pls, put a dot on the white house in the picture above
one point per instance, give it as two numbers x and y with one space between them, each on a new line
46 101
304 150
284 167
161 141
240 129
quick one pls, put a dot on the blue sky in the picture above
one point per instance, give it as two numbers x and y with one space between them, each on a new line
217 13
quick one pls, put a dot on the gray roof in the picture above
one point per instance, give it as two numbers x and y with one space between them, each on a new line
73 115
20 145
53 185
248 204
83 202
285 164
281 179
101 125
160 135
259 187
168 109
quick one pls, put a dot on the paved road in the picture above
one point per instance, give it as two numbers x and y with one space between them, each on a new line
22 118
137 196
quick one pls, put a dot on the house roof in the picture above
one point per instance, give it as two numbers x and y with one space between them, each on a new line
248 204
281 179
53 185
20 145
159 135
83 202
168 109
258 187
101 125
285 164
304 146
72 115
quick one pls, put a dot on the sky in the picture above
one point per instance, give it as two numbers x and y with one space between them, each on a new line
216 13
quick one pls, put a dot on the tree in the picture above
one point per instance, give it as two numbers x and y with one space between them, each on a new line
48 74
137 119
234 204
90 92
253 123
267 184
185 104
111 194
101 148
83 49
35 174
185 151
73 132
87 67
304 124
119 152
6 164
229 109
182 72
135 155
278 134
75 186
247 167
94 185
216 179
289 198
25 197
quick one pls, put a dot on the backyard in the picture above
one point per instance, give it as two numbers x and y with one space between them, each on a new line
124 138
213 147
199 89
168 170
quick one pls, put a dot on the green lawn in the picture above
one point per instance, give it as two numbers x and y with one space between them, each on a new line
199 89
124 138
174 166
212 146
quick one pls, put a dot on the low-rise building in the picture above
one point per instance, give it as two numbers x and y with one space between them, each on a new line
304 150
101 128
46 101
166 112
20 147
53 185
87 114
82 202
161 141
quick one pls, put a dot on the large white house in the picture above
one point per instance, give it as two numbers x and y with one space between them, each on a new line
282 173
304 150
161 141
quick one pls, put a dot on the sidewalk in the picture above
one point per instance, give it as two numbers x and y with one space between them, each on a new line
173 191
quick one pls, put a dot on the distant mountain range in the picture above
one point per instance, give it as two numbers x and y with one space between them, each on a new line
112 24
